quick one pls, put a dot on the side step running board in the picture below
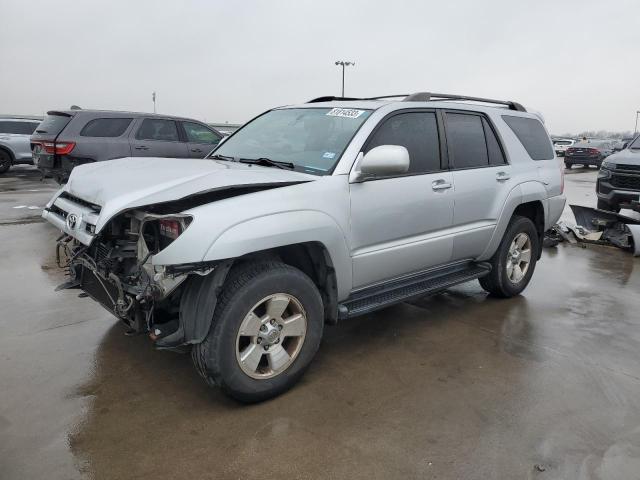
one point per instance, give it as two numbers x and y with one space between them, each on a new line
380 296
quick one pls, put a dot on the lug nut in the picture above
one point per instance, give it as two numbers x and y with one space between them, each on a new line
266 347
259 340
273 322
263 328
279 327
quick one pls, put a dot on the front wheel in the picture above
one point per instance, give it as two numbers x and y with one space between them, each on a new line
568 165
514 261
5 161
265 331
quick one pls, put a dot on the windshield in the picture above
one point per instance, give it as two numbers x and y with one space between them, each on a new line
312 139
635 145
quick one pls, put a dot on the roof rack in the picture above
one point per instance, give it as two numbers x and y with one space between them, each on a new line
427 97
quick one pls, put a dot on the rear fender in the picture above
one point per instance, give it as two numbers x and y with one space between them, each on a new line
522 193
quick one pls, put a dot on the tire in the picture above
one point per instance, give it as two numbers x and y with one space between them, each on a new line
5 162
568 165
608 207
499 282
219 357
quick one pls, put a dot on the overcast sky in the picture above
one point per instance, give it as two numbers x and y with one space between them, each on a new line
574 61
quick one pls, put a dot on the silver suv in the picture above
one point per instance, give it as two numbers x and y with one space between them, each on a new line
14 141
307 215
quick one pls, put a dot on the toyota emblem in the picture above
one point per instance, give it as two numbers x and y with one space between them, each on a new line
72 221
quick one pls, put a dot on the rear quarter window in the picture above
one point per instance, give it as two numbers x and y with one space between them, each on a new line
105 127
532 135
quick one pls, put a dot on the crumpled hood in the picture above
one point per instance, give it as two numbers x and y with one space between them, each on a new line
627 157
126 183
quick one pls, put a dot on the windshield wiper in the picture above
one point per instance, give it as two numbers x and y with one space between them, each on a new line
217 156
267 162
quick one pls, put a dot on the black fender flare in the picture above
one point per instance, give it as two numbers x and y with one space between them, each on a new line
197 304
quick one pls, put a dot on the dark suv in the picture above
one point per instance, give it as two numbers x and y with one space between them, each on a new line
618 182
69 138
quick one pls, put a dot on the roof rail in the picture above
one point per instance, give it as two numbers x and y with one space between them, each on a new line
426 97
330 98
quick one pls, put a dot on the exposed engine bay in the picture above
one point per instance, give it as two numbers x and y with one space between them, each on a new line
116 269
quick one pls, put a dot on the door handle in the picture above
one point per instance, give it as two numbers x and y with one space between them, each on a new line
196 150
502 176
437 185
141 147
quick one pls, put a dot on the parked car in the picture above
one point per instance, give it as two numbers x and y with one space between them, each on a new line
14 141
622 143
591 152
618 182
560 145
66 139
310 214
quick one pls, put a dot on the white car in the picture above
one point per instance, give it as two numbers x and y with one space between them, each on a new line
560 145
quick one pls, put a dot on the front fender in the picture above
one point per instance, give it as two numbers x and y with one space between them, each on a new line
287 228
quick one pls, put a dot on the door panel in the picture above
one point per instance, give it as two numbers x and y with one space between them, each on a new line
400 225
156 137
482 181
201 140
480 195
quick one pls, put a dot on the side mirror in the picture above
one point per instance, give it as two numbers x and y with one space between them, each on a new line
383 161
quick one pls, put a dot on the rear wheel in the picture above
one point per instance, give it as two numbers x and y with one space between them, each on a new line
266 330
514 261
568 165
5 161
608 207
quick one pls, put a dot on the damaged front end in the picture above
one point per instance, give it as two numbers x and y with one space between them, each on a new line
116 270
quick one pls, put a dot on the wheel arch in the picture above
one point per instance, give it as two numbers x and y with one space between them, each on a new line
9 152
528 199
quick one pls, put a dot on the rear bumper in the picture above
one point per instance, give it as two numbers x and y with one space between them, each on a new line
555 206
583 160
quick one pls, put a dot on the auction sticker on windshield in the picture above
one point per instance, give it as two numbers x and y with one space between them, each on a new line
345 112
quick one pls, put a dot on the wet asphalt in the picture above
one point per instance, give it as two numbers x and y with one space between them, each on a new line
454 386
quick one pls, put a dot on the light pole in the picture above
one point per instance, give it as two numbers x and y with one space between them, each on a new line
636 129
344 64
153 97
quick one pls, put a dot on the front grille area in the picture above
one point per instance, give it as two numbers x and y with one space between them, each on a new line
631 168
95 208
628 182
58 211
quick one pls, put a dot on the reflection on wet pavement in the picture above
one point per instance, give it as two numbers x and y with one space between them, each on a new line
459 385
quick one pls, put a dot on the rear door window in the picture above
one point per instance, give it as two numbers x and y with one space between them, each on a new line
466 140
197 133
158 129
532 135
418 133
105 127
